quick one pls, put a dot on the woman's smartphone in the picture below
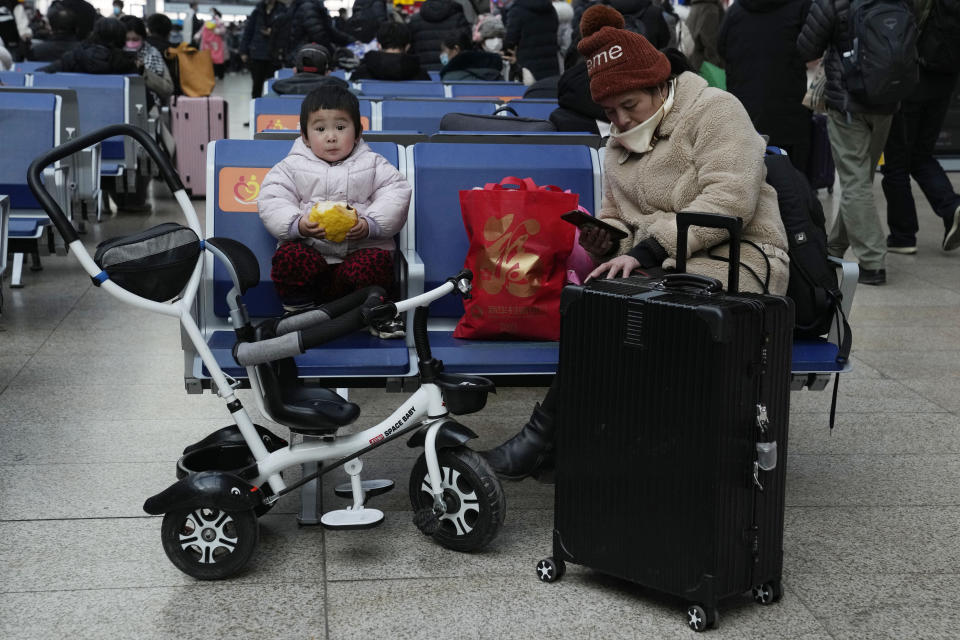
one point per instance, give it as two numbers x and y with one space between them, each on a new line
581 220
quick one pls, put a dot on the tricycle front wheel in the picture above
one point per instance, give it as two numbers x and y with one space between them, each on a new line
472 495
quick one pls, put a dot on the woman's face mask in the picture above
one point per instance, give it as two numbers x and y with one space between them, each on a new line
133 45
493 45
640 139
444 58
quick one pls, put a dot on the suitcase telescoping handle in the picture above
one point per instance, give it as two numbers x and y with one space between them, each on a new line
34 173
687 219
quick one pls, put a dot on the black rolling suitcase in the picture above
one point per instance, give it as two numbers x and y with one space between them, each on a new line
672 434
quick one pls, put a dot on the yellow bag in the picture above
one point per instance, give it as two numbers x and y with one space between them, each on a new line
194 70
335 217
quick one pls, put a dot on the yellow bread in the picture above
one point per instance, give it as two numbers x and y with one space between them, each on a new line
335 217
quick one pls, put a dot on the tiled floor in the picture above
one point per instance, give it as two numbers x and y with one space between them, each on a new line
93 415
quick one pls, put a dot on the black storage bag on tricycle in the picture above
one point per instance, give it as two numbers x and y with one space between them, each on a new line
155 263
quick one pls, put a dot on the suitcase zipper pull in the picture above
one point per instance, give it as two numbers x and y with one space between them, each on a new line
756 475
763 422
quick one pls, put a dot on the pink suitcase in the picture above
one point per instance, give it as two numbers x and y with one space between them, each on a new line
196 121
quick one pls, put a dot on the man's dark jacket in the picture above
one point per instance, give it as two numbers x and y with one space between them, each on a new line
764 70
380 65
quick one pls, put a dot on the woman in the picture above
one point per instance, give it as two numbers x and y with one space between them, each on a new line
156 75
102 52
675 145
211 39
461 62
260 47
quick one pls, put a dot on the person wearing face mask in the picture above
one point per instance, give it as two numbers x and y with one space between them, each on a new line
675 145
118 9
461 62
102 52
156 75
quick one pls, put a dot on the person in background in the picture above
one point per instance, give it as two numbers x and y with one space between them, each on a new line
62 35
858 132
391 62
576 111
461 62
6 60
909 149
15 32
84 17
340 21
117 8
102 52
211 39
192 25
428 28
311 22
644 17
757 42
312 62
156 75
565 25
704 24
531 39
260 48
159 27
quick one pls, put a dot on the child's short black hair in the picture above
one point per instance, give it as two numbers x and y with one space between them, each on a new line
330 97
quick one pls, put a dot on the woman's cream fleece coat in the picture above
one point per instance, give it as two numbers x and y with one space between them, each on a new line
709 158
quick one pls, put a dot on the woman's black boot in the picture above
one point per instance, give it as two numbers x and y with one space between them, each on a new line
529 452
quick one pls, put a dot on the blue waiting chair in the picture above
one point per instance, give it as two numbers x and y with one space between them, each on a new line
425 115
436 231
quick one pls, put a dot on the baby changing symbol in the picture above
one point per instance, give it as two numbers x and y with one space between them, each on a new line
505 261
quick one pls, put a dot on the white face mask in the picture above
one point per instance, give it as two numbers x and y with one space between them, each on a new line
493 45
639 139
444 59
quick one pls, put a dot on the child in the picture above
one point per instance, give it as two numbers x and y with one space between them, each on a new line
330 162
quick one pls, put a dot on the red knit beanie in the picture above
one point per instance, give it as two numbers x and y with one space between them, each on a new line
618 60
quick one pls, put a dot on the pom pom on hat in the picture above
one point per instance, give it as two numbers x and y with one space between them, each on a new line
599 16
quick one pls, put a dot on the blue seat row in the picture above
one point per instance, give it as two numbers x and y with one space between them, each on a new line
432 245
420 115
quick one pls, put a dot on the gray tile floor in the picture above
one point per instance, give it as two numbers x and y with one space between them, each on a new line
93 415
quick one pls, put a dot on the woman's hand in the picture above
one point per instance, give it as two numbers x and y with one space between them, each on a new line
359 231
595 240
622 265
309 229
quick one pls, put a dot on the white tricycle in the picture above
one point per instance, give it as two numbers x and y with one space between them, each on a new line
230 478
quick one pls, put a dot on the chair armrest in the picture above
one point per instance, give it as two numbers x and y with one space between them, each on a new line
415 272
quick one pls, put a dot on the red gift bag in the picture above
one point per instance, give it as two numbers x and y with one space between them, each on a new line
518 253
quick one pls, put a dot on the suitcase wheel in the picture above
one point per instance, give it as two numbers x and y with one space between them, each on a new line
700 619
768 592
550 570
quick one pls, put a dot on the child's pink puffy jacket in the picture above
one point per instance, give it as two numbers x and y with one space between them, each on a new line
364 180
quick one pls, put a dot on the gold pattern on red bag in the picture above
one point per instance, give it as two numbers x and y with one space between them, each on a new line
504 262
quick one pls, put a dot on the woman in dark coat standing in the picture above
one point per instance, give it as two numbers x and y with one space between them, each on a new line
765 70
532 36
430 27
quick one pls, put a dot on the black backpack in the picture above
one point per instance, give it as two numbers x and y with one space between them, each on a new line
813 278
879 50
939 44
